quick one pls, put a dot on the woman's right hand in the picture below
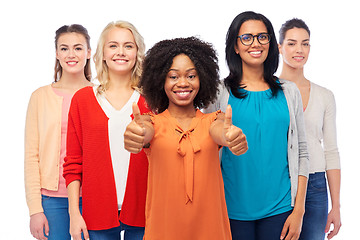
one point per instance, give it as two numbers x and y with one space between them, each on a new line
78 226
134 135
39 225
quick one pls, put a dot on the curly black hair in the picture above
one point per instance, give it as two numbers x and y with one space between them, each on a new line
158 61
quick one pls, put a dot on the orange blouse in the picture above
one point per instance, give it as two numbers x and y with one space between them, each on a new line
185 198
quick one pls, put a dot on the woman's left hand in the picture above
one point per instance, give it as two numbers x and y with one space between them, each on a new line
334 219
292 226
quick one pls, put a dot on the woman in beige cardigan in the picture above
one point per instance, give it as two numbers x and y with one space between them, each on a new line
45 134
320 124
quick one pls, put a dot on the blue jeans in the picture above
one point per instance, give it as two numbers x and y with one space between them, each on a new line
56 210
316 208
130 233
263 229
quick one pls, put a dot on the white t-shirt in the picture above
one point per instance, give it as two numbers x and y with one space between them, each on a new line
118 120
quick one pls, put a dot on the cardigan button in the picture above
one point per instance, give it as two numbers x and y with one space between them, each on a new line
292 131
291 146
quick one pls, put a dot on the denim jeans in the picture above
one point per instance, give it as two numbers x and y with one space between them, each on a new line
56 210
263 229
316 208
130 233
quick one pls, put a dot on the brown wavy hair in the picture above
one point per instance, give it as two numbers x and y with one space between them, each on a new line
74 28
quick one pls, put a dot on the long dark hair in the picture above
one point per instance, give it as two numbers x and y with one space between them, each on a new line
74 28
234 61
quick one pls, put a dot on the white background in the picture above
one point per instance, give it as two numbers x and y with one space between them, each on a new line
27 57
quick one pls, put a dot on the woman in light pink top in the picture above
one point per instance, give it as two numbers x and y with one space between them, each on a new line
45 134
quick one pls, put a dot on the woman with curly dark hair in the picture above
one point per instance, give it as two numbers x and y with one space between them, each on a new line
158 63
185 198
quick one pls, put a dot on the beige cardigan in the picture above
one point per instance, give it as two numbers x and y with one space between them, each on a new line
42 145
320 123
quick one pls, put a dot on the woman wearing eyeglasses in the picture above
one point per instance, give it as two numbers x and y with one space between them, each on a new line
265 187
320 121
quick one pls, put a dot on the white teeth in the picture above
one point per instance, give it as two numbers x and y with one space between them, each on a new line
298 57
183 93
258 52
71 63
120 60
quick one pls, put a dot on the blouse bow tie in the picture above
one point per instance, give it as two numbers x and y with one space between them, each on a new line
187 147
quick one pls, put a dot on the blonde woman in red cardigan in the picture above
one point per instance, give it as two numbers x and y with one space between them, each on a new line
45 135
113 180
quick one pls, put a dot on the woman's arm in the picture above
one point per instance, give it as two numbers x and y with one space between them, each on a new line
32 161
139 132
72 171
77 223
225 134
38 221
73 162
293 224
334 179
332 158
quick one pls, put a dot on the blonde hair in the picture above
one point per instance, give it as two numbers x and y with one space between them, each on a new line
100 65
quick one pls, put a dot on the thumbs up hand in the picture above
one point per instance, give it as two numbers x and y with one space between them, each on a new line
137 115
234 137
134 135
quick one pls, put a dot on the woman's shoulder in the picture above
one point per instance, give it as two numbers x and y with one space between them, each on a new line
287 84
85 92
221 101
320 89
44 93
84 97
42 90
290 89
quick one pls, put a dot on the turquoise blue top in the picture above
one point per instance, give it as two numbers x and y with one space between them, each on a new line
257 183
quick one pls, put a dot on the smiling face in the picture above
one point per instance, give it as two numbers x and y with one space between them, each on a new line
256 53
120 51
72 52
296 48
182 83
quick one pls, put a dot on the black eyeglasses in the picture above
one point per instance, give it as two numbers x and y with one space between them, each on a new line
248 39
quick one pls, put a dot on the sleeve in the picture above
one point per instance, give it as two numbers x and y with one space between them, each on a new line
332 157
213 118
300 123
32 160
74 157
214 115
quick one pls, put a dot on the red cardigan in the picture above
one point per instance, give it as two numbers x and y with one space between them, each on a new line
89 161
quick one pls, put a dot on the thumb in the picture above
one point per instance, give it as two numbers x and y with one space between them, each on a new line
327 227
228 118
284 230
46 228
137 114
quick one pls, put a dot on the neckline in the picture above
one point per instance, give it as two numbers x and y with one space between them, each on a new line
310 98
175 122
106 106
61 93
262 91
